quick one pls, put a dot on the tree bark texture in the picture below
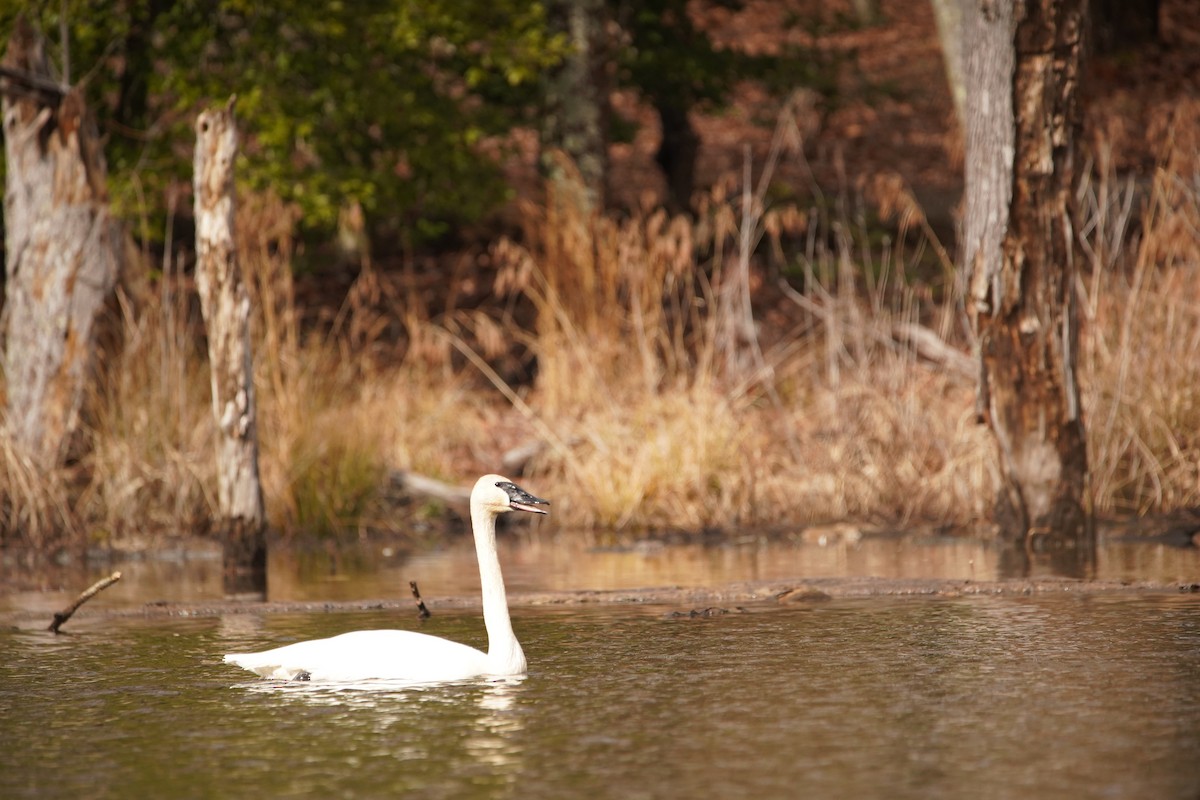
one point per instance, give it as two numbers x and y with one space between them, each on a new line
576 121
225 304
62 252
1021 249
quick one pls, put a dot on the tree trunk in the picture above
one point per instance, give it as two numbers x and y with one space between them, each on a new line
677 153
1019 241
948 14
576 120
225 305
61 248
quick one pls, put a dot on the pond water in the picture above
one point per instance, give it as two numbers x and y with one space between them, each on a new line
988 697
358 571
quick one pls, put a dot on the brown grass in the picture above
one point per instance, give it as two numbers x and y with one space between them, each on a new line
837 423
645 426
1141 365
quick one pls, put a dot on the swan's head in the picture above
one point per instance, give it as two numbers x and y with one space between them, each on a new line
498 494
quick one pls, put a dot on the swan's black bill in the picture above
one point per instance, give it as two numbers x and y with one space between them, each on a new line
522 500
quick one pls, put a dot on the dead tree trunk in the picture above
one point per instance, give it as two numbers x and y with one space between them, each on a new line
61 249
225 305
1023 68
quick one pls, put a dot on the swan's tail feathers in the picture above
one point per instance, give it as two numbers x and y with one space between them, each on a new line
253 662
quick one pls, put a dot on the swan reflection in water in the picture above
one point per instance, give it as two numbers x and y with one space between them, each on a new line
494 694
490 738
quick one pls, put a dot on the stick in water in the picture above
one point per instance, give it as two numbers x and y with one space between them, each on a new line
421 609
62 616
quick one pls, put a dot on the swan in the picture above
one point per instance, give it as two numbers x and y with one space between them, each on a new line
413 657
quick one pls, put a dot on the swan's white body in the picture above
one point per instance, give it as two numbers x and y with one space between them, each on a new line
417 657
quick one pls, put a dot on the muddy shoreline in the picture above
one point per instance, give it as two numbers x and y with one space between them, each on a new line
669 599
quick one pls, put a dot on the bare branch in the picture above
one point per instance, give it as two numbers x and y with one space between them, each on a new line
37 83
61 617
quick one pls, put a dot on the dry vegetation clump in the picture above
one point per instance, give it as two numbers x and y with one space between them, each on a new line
36 510
837 421
1140 354
152 465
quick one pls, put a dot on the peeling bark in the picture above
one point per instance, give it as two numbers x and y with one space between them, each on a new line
225 304
1023 255
62 252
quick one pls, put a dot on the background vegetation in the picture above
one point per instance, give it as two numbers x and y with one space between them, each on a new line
479 310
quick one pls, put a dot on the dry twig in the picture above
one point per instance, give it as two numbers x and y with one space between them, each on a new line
61 617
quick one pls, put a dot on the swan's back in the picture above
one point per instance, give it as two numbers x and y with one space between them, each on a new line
368 655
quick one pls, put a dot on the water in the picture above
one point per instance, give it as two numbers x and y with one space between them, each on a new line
987 697
373 571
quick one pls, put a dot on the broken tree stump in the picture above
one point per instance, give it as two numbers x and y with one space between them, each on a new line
225 305
61 252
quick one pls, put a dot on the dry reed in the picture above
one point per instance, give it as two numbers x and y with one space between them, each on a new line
1142 371
838 421
645 424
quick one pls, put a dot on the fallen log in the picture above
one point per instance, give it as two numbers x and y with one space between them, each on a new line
424 486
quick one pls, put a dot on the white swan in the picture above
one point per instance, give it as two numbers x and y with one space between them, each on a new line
417 657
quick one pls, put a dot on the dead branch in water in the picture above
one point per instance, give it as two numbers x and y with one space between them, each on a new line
61 617
421 609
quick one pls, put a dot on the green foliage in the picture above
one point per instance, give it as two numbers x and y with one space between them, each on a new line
668 59
383 102
375 100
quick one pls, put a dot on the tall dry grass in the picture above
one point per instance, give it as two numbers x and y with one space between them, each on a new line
1141 351
834 422
644 422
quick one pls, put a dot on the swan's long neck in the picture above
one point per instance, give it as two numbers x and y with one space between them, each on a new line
503 649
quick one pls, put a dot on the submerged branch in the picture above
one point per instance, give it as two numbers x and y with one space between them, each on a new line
422 611
61 617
